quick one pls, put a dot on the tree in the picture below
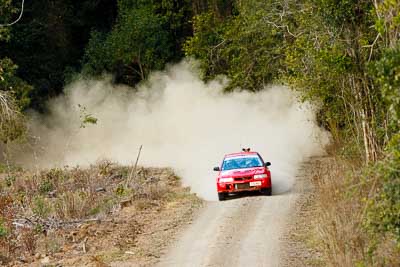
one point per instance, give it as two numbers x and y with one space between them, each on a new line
12 124
146 36
137 42
9 82
11 119
242 44
386 70
6 13
331 57
47 44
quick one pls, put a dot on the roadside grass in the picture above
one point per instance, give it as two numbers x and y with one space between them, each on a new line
343 189
34 207
302 242
110 256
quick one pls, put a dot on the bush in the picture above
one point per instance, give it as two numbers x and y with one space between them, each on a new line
7 231
45 186
359 211
338 225
41 207
28 240
382 220
75 205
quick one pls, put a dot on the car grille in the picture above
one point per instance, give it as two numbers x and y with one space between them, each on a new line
242 186
243 178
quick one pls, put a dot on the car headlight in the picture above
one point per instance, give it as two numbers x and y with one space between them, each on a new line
260 176
226 180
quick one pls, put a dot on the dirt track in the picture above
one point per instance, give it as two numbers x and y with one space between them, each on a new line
244 231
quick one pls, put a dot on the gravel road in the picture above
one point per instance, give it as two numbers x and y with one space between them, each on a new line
243 231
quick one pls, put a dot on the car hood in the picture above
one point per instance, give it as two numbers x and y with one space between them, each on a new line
242 172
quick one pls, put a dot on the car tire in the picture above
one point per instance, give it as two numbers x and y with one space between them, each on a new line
266 191
221 196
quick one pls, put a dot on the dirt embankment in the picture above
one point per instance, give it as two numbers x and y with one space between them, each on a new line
133 237
104 215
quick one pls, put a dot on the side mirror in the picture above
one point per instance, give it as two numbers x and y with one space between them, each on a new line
267 164
217 169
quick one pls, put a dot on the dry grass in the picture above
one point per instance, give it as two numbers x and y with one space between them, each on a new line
28 240
341 193
339 224
34 206
7 232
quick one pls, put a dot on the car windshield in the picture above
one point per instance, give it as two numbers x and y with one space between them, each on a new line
241 162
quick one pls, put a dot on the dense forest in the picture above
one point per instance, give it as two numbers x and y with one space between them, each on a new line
343 55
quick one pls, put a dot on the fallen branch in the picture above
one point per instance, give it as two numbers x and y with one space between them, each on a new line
52 223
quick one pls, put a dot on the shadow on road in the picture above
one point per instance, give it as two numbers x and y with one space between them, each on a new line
256 193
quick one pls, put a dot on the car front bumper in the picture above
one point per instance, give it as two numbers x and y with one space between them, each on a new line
250 185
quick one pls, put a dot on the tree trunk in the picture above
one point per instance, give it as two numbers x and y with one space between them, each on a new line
366 119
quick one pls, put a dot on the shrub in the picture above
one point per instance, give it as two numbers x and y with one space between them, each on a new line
75 205
45 186
3 229
382 216
338 225
28 240
122 191
41 207
10 179
7 231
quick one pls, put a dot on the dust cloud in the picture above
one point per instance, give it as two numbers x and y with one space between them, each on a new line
181 122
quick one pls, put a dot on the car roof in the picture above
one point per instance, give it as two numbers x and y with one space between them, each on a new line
238 154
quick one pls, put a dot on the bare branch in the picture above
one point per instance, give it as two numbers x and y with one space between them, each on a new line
372 46
282 27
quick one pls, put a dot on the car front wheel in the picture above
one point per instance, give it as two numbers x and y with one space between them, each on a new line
266 191
221 196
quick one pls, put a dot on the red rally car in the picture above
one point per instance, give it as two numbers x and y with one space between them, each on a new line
244 171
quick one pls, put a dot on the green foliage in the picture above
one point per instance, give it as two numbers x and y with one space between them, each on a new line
38 228
50 38
350 69
12 122
383 213
147 35
208 33
41 207
329 63
48 180
5 168
6 12
139 38
388 20
13 90
127 38
10 179
94 211
10 82
97 56
245 46
6 217
45 186
340 12
3 230
122 190
387 75
85 117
